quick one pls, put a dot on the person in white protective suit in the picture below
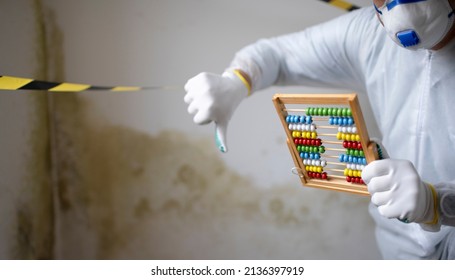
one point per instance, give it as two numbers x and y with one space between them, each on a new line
405 64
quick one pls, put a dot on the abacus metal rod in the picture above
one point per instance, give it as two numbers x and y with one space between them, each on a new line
335 163
335 149
334 170
337 176
334 142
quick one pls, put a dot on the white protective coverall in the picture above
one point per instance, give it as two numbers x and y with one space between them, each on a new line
412 94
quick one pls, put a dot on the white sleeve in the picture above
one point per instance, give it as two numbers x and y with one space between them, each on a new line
329 54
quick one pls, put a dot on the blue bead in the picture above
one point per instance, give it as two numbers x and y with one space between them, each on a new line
345 121
308 120
354 160
301 155
288 118
339 121
305 155
349 159
364 161
350 121
317 156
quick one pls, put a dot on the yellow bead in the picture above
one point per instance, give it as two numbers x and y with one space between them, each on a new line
313 135
346 172
357 137
348 137
339 135
350 173
319 169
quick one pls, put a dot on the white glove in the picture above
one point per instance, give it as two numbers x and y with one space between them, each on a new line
213 97
397 190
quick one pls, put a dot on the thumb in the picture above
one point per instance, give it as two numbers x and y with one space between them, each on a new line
220 135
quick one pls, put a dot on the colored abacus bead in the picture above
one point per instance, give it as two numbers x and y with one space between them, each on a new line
324 175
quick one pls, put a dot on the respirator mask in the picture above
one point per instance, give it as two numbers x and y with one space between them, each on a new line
416 24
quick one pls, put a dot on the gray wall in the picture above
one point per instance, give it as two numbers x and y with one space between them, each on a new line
132 176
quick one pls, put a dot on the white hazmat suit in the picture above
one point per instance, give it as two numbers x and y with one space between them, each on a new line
412 94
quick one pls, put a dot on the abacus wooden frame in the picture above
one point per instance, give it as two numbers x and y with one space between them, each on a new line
349 99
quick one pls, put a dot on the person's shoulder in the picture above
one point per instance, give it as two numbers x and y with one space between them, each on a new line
361 23
362 18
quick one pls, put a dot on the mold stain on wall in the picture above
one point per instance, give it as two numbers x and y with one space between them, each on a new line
34 221
124 194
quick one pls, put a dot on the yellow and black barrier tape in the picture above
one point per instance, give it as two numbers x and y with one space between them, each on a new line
342 5
17 83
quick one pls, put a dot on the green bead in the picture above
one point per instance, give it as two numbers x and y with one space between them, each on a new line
349 112
356 153
361 153
343 112
324 111
321 149
319 111
309 111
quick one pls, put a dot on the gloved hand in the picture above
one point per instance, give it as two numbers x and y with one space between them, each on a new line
397 190
213 97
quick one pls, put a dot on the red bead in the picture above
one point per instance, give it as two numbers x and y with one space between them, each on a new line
300 141
296 141
357 180
318 175
312 142
361 181
345 144
350 144
359 146
354 145
319 142
348 178
324 175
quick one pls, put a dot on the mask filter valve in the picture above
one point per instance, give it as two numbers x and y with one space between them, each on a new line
408 38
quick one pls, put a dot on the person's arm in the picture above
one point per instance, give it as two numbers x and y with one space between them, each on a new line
324 55
330 54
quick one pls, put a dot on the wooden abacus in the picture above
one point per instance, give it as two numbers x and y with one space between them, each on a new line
325 158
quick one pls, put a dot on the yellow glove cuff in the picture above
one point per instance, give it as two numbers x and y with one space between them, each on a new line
435 205
244 78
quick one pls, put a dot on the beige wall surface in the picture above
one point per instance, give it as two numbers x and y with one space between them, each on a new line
128 175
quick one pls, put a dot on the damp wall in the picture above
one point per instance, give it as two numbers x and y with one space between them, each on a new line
26 196
132 177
